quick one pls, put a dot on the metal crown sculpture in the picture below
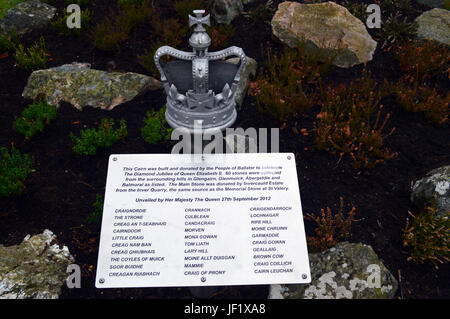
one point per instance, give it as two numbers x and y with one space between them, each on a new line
200 86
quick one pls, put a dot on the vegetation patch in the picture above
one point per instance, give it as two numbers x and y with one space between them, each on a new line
34 118
33 58
428 237
331 228
351 123
104 136
14 169
156 129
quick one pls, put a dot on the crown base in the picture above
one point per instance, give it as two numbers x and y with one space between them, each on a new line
215 119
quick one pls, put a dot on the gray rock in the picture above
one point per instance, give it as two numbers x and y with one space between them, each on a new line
224 11
434 187
346 271
328 26
82 86
34 269
27 16
432 3
434 25
250 69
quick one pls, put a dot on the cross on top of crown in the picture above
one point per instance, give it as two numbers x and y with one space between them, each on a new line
199 20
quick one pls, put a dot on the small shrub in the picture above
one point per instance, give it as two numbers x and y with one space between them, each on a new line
330 228
114 29
5 43
8 41
262 13
346 123
34 118
357 9
391 6
280 90
423 61
95 216
397 30
14 169
33 58
107 37
165 32
428 237
423 99
148 63
61 23
156 128
168 31
221 34
447 4
91 139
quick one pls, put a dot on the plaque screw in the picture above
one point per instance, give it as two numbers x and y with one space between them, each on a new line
115 159
304 276
101 280
289 158
203 279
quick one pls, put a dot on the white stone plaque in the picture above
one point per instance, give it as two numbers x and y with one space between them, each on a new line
202 220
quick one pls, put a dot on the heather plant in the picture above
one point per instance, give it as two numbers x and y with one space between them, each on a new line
422 61
166 32
428 237
262 13
350 122
104 136
34 118
221 34
8 41
391 6
5 43
14 169
60 24
147 62
331 228
156 128
397 30
280 89
417 98
169 31
357 9
32 58
95 217
114 29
